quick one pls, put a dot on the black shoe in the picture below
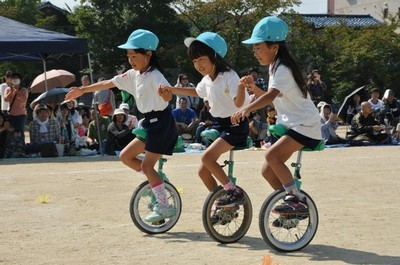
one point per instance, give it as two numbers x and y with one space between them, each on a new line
292 205
231 198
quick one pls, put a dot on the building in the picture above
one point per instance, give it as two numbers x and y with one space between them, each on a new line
380 10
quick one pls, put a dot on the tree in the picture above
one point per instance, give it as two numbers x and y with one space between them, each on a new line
108 23
232 19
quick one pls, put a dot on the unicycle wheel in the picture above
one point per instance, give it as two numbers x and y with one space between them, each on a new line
287 233
142 203
226 225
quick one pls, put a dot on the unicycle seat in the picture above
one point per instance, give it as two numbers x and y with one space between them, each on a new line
279 130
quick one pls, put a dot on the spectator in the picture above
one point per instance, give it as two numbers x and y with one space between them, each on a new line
69 132
4 133
329 126
131 120
353 108
365 128
186 120
87 98
42 130
82 130
104 96
6 83
258 118
205 121
376 104
119 134
259 82
193 102
391 108
16 146
97 131
316 87
16 96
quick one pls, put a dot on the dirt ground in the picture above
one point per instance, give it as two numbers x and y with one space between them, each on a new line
86 218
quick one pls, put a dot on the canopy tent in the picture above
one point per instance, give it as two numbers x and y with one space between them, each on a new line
22 42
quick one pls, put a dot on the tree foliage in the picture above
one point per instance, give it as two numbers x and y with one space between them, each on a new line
108 23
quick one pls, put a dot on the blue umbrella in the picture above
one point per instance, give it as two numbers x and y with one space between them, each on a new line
56 95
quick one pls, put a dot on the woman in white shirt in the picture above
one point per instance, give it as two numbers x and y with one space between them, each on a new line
287 91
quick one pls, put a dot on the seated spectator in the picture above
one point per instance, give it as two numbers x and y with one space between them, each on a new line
69 132
376 104
193 102
42 130
185 119
82 130
259 82
364 127
205 121
391 108
119 134
16 145
97 131
258 127
131 120
329 126
4 133
353 108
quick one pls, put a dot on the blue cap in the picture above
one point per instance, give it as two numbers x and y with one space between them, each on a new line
212 40
268 29
141 39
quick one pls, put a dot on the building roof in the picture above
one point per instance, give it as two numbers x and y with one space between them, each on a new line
325 20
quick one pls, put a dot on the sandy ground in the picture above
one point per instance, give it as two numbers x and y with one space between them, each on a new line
86 218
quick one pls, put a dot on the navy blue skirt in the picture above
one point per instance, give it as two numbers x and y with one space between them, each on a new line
161 132
235 135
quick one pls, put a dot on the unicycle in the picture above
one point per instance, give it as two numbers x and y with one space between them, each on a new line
143 200
289 232
226 224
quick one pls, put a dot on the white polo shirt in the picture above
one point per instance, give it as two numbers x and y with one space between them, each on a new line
144 88
220 93
294 111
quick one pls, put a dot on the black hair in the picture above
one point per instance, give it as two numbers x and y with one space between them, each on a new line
154 60
287 60
16 74
114 118
181 76
198 49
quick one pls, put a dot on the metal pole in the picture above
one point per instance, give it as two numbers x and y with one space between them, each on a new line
45 74
90 68
96 116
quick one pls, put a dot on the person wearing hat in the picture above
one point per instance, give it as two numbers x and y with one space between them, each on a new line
287 92
119 134
16 96
220 86
6 83
131 120
42 130
142 81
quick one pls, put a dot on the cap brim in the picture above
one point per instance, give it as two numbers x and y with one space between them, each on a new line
252 41
189 41
127 46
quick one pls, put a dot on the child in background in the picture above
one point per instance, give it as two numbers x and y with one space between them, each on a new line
142 82
220 87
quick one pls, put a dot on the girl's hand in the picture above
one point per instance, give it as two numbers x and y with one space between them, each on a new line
247 81
165 92
73 93
239 115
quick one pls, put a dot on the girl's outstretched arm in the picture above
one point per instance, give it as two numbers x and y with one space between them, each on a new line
188 91
76 92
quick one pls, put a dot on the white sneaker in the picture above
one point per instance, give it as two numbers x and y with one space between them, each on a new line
159 213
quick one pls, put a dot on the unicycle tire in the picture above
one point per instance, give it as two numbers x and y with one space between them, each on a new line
142 203
233 223
293 232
